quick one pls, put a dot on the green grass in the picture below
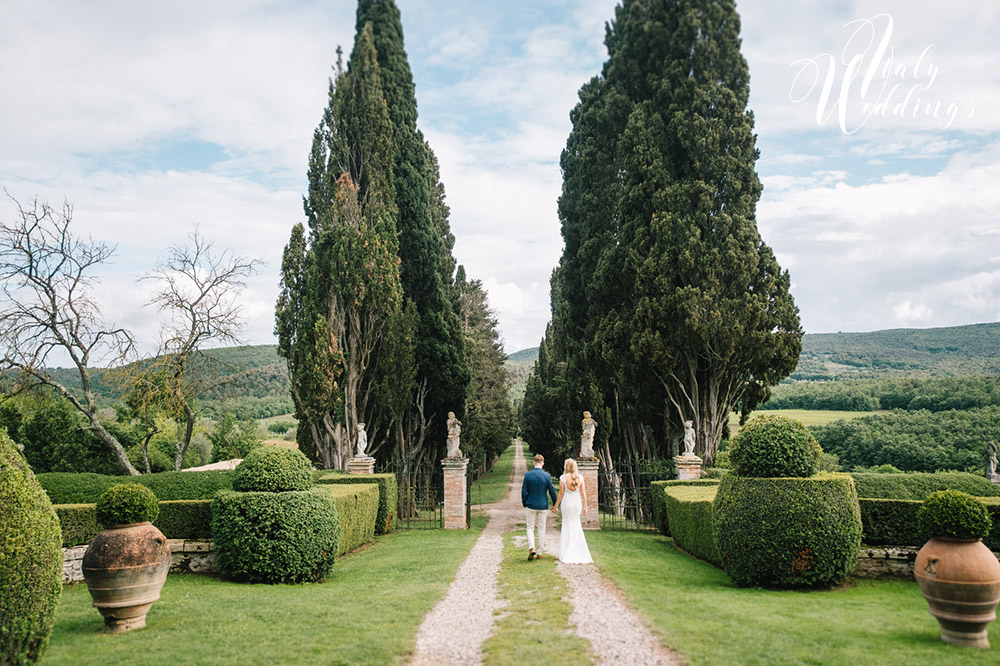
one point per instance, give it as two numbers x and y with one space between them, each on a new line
808 417
492 486
695 610
534 626
367 612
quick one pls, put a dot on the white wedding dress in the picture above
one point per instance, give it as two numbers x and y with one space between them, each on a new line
572 544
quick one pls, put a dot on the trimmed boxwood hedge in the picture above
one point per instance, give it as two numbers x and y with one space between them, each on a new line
71 488
273 469
787 532
30 560
918 485
894 522
179 519
125 504
657 498
388 495
690 511
357 507
286 537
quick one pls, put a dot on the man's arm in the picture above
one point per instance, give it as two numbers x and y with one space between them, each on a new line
524 491
552 490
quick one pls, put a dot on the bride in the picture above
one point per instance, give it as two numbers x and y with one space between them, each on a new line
572 544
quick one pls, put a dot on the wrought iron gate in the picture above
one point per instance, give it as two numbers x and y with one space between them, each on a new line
421 495
623 494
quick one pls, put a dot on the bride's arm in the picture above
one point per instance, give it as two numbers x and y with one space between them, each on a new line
562 488
583 495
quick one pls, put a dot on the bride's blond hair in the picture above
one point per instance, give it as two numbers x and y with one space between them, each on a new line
573 472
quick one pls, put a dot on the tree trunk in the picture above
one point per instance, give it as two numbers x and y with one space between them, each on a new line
183 442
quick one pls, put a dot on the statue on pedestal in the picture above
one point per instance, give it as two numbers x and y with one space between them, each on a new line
688 439
587 439
362 440
454 435
991 461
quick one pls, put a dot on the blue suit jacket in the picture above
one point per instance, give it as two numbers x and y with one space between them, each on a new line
536 483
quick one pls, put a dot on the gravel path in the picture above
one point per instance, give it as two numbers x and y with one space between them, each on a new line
614 630
455 630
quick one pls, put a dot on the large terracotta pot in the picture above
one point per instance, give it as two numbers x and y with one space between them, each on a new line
125 567
961 581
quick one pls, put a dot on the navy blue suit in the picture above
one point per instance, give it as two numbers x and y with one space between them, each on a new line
536 484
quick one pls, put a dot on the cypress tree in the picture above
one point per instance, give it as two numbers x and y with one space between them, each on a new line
424 241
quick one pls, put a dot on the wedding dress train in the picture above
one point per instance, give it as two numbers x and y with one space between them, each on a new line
572 544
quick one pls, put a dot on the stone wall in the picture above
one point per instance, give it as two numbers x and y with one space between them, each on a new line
186 555
887 562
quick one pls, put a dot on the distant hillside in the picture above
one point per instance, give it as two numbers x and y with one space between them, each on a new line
952 351
530 354
519 365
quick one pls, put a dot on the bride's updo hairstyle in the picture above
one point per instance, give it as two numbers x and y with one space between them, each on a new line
572 473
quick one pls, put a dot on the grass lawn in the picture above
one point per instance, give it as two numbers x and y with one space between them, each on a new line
695 610
492 486
534 626
809 417
367 612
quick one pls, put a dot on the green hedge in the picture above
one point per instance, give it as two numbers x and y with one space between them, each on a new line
787 532
894 522
388 495
357 508
690 511
71 488
179 519
658 500
918 485
287 537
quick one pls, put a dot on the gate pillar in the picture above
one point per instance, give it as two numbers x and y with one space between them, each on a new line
588 469
455 491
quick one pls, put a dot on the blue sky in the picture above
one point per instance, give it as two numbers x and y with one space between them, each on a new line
152 119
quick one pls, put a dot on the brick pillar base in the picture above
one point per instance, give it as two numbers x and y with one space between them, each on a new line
454 493
361 465
588 468
688 467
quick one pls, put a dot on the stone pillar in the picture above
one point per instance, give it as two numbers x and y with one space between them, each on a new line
688 467
588 469
361 465
454 493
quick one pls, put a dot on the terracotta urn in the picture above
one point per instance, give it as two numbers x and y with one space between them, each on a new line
125 567
960 579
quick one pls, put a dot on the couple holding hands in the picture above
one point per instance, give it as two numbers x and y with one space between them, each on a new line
535 491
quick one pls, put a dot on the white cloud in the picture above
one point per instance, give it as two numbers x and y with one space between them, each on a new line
906 313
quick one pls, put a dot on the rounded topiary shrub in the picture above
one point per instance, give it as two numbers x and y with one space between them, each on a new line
273 469
30 560
287 537
127 503
774 446
953 514
787 532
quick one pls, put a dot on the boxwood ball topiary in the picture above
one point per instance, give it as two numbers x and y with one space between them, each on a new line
30 560
953 514
774 446
263 537
127 503
787 532
273 469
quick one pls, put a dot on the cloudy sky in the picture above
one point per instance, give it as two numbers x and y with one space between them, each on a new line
878 124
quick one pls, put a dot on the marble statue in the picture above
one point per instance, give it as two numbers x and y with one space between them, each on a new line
362 440
688 439
991 460
587 439
454 435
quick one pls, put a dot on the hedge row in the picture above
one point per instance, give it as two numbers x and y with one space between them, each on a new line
388 495
73 488
179 519
918 485
894 522
657 498
690 511
357 508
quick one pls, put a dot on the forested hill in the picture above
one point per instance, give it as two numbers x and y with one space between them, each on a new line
952 351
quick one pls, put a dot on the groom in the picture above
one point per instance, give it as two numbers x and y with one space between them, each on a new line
537 483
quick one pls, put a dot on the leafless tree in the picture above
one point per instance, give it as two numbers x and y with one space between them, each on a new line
47 279
200 292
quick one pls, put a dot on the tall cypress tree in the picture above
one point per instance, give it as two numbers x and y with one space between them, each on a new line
424 241
666 297
340 315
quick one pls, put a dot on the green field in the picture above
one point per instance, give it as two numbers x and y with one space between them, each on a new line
809 417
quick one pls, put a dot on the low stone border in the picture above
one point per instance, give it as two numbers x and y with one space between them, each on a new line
186 556
887 562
